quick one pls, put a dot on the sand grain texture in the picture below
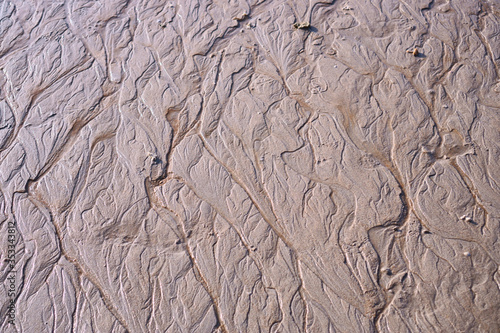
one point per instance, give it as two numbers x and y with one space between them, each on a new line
251 165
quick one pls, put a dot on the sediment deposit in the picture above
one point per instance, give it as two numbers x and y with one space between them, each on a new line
250 166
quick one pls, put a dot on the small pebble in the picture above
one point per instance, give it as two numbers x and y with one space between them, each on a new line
467 254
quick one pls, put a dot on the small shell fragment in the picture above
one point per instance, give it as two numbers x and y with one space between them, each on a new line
466 218
303 25
414 52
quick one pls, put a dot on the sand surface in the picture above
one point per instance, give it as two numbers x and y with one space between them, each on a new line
249 166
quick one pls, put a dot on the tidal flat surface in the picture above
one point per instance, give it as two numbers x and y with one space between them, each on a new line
249 166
